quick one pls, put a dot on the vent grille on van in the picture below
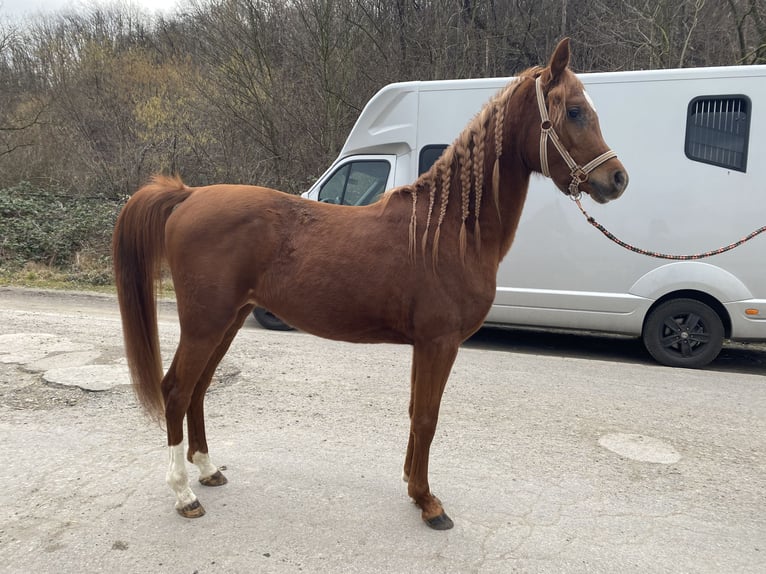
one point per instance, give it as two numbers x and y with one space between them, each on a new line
717 130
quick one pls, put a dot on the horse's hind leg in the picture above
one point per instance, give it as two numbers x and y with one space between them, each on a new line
183 388
177 388
209 474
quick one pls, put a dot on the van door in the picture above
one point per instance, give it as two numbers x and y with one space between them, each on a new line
355 180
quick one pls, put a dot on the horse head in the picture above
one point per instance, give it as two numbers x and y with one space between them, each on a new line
572 151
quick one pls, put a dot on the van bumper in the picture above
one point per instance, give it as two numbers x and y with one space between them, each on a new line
748 320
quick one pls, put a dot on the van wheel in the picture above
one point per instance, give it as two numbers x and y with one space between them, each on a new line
269 320
683 333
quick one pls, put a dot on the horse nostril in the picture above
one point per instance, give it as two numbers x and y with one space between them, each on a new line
620 179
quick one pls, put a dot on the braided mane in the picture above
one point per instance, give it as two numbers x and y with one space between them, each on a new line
460 170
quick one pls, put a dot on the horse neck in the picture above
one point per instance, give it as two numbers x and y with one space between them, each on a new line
514 183
475 190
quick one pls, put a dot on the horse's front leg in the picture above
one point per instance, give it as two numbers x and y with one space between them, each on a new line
432 362
411 440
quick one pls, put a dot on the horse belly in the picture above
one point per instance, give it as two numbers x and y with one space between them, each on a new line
335 308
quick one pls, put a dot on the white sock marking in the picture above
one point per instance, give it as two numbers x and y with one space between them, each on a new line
202 461
177 477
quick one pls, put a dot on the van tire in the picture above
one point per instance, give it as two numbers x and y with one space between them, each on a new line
269 320
683 333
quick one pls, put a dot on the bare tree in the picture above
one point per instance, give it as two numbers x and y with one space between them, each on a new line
266 90
749 24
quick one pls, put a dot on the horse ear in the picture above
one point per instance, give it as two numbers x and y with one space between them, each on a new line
559 60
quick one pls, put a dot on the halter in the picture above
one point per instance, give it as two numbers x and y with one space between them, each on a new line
579 174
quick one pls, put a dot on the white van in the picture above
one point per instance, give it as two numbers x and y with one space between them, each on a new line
694 144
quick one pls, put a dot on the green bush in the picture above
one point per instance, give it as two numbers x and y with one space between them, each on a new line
48 226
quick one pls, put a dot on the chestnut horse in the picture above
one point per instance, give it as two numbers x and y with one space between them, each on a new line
418 267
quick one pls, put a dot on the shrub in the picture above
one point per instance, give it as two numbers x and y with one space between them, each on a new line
45 225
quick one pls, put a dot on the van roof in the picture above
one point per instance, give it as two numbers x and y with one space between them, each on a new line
388 123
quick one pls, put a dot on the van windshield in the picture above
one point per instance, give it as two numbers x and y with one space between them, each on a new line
356 183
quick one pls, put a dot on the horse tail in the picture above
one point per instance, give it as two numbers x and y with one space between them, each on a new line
138 248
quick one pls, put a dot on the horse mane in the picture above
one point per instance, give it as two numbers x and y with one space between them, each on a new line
460 169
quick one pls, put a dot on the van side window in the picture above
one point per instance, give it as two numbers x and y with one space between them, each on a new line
428 156
356 183
717 131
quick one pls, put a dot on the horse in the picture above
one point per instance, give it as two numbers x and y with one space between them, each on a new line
418 267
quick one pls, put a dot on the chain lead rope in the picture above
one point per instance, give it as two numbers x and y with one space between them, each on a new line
630 247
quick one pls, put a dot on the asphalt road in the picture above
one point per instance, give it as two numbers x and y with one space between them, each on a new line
554 453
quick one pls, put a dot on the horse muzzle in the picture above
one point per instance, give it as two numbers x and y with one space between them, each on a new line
609 186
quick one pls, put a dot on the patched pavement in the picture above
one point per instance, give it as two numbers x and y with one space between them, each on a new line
62 361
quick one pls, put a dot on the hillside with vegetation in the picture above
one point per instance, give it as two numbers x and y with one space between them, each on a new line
94 101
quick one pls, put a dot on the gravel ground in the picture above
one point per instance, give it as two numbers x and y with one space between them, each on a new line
554 453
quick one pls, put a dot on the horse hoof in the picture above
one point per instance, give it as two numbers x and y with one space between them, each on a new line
440 522
192 510
215 479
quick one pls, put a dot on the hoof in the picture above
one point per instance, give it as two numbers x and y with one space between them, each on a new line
440 522
192 510
215 479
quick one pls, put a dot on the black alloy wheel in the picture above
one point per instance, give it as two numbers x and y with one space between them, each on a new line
683 333
269 320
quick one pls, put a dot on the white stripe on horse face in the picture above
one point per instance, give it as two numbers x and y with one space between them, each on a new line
589 100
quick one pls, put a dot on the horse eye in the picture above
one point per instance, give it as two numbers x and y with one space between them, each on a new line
573 113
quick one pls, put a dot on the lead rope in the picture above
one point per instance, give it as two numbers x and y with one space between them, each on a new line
580 175
630 247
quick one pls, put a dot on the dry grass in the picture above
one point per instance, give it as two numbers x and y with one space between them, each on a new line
86 274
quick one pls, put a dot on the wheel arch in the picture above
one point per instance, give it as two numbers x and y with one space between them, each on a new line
704 282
